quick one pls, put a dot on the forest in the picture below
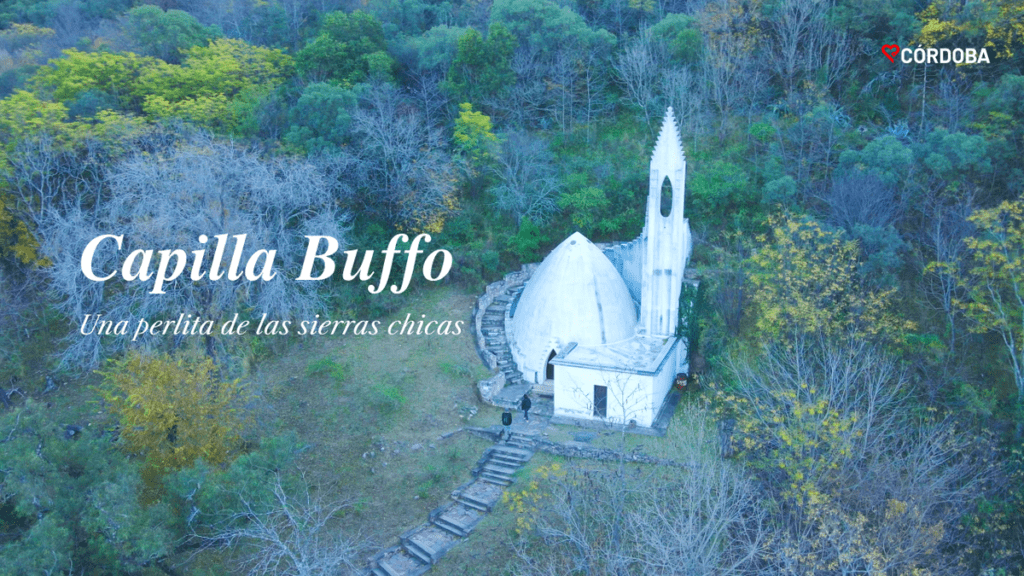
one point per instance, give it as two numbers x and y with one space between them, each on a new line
858 225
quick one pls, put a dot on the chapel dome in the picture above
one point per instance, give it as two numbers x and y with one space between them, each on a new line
575 295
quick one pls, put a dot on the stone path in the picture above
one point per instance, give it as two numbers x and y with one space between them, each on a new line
422 546
496 342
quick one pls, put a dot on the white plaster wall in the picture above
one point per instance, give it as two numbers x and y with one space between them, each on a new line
662 382
629 395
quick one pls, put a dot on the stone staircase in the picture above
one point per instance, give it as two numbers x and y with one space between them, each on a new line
421 547
496 342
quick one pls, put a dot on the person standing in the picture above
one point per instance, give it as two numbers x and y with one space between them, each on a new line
525 404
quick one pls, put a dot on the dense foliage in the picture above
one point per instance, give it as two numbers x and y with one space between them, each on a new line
858 225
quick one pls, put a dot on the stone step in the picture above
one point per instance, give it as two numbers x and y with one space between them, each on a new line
503 298
500 467
386 568
449 527
378 571
419 553
506 461
507 451
495 479
471 502
520 442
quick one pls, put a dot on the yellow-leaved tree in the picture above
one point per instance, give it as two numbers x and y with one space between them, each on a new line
805 280
994 25
173 411
474 136
993 277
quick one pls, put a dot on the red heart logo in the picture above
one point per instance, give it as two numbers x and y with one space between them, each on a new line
890 51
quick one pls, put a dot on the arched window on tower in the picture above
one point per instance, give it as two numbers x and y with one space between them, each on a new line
666 197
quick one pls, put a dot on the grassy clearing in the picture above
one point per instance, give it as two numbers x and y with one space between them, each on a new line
373 408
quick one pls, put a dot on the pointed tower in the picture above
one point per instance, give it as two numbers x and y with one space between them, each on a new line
667 235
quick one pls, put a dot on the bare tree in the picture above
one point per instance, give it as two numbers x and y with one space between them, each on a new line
527 186
408 177
686 93
731 66
291 534
637 71
626 519
862 198
945 237
166 196
858 483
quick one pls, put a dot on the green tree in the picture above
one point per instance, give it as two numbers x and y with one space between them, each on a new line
322 117
348 50
117 75
482 69
544 26
722 193
68 500
165 35
681 36
201 88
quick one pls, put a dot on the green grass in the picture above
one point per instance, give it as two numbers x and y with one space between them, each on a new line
328 367
357 399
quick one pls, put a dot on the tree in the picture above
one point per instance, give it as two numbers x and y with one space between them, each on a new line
166 195
945 237
806 282
71 501
731 33
527 184
173 411
857 482
322 117
405 174
622 519
200 89
164 35
482 69
116 75
804 43
993 276
291 534
637 70
348 49
473 135
277 522
544 26
994 25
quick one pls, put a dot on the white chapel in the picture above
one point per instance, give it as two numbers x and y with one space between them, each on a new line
596 328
